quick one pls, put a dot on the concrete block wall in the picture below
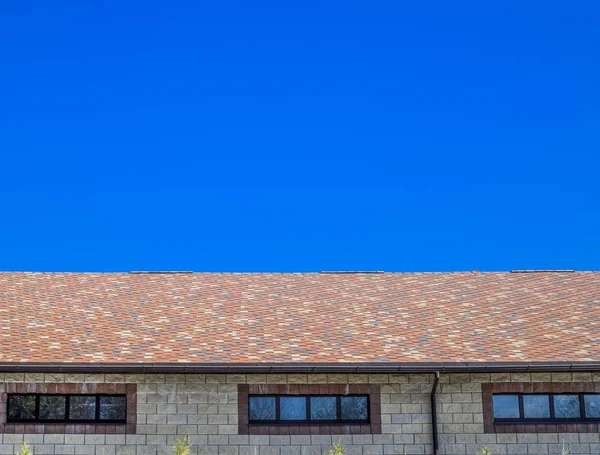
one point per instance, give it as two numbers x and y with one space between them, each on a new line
204 407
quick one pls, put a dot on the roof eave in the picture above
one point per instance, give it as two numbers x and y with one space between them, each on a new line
220 368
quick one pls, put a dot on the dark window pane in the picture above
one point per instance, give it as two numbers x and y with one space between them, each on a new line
323 408
53 407
536 406
292 408
82 407
112 408
592 406
506 406
567 406
262 408
21 407
354 408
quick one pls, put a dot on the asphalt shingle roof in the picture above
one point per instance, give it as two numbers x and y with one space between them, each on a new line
275 318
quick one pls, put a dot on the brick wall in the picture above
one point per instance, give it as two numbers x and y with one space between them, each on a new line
205 408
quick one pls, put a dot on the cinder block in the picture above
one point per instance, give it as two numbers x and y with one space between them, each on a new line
217 398
543 448
527 438
462 398
459 378
263 440
125 450
156 419
156 439
227 409
516 448
208 429
144 429
316 379
414 449
166 429
238 439
520 377
249 450
135 439
216 440
269 450
399 378
146 450
186 430
54 439
289 450
383 439
462 418
355 378
176 419
401 418
76 439
337 378
106 450
198 397
79 450
217 419
282 440
465 438
199 419
295 440
256 378
373 449
95 439
277 378
420 378
64 449
227 429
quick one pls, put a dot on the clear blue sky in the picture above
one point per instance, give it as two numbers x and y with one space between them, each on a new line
299 136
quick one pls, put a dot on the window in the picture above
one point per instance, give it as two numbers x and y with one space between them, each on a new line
545 408
308 409
32 408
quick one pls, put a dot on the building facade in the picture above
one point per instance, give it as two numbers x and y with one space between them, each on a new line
207 409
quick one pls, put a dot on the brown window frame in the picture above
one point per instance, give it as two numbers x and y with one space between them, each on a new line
72 426
68 419
281 427
531 425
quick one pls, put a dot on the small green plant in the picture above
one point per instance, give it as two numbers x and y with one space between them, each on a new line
338 449
25 450
566 450
182 446
485 450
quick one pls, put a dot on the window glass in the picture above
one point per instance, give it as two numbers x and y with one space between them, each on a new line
21 407
506 406
567 407
323 408
536 406
592 406
53 407
82 407
292 408
354 408
113 408
262 408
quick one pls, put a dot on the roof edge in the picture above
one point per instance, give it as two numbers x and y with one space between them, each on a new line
378 367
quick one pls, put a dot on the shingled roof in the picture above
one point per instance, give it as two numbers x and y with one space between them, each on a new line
203 318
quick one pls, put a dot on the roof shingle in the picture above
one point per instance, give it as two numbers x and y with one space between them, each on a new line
276 318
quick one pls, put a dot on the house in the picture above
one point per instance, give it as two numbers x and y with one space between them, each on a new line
287 364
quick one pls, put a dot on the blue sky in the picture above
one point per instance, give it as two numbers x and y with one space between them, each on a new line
299 136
